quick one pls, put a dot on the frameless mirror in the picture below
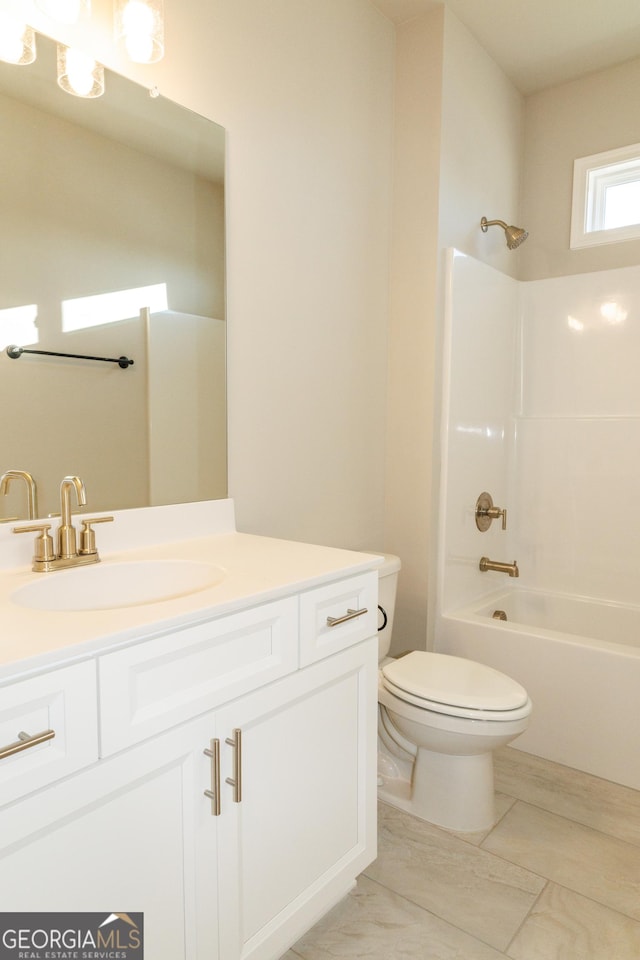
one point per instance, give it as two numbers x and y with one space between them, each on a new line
112 245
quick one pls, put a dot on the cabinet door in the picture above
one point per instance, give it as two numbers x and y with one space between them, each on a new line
122 836
305 825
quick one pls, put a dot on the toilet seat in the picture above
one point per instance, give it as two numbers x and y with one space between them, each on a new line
455 686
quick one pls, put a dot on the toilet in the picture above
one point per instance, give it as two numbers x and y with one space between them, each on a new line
439 720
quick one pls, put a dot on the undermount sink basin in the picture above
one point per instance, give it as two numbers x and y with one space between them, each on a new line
107 586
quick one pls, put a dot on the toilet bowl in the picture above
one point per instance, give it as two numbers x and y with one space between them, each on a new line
440 719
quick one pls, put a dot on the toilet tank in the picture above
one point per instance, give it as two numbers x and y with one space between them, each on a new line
387 584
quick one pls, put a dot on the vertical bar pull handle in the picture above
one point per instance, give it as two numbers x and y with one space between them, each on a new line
236 780
214 793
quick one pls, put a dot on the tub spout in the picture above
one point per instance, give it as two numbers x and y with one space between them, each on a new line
510 568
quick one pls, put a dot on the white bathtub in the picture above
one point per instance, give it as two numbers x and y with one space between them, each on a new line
580 662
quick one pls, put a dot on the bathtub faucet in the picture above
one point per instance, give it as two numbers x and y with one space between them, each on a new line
510 568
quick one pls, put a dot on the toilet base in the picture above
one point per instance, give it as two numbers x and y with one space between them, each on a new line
453 792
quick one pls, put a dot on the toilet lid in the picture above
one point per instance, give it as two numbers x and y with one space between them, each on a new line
454 681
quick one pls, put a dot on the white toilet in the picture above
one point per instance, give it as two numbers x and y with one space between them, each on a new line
440 718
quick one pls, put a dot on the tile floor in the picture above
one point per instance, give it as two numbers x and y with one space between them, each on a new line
557 878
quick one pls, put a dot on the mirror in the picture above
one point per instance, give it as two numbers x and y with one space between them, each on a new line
112 244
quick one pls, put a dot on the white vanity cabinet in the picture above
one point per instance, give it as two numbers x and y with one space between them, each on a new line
305 826
121 836
228 871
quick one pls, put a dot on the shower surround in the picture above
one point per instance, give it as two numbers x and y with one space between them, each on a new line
541 408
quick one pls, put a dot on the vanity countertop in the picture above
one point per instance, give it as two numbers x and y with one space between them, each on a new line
256 570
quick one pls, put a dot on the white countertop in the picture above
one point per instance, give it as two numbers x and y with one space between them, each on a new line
256 570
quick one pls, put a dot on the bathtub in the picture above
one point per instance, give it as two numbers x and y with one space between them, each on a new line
580 662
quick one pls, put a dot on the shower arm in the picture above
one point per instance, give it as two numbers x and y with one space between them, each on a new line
485 224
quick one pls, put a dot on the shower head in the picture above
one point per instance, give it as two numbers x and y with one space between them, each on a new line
515 235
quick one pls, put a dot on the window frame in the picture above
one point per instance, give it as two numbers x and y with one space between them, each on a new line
591 178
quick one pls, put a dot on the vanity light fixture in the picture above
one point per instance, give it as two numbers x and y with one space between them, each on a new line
139 28
65 11
17 41
79 74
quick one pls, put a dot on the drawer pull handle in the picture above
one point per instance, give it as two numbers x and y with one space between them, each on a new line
236 780
25 741
214 793
349 615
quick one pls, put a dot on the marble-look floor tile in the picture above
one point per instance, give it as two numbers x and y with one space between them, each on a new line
566 926
374 923
482 894
605 806
502 804
598 866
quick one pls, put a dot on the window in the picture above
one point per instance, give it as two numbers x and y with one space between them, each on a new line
606 197
111 307
18 325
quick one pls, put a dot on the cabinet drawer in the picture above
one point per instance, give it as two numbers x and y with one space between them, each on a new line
61 706
152 686
338 615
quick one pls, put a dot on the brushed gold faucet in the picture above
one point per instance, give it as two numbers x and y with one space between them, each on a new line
32 496
45 558
66 531
510 568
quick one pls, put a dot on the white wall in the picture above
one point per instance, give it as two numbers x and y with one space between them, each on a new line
304 88
543 412
578 466
480 392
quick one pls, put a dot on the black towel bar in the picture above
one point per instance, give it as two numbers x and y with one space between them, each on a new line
15 352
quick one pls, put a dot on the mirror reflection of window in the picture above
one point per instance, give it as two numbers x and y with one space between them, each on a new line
18 325
83 312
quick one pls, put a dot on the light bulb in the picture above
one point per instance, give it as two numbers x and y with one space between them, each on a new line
140 27
17 41
137 18
78 73
139 47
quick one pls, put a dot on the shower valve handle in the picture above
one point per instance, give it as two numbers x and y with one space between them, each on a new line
486 512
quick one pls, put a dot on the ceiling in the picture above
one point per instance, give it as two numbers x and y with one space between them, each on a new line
540 43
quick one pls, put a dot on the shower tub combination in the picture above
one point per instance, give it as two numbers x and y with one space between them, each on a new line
579 660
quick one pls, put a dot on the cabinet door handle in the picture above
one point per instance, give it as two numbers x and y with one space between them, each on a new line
349 615
214 793
25 741
236 780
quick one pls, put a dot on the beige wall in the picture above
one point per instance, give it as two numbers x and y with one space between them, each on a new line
459 142
482 150
64 236
304 89
598 112
419 52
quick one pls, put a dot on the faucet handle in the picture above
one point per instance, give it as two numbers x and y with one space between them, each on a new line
486 512
88 536
43 544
